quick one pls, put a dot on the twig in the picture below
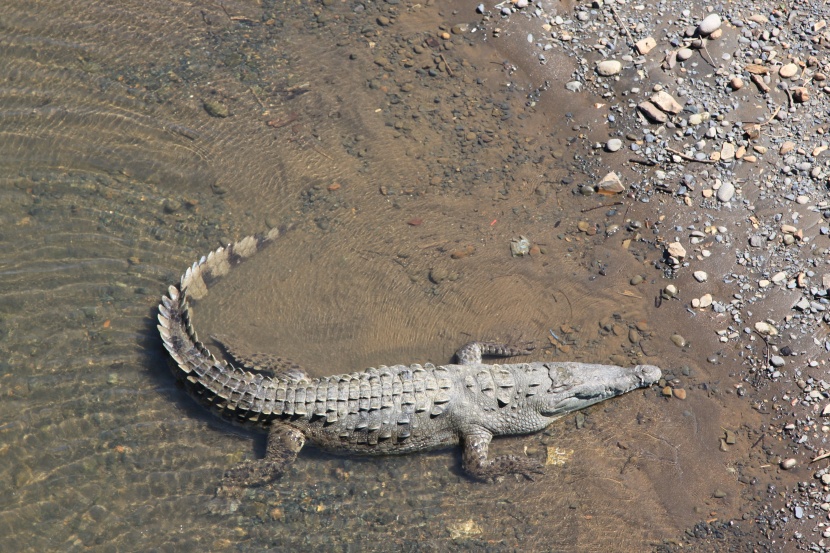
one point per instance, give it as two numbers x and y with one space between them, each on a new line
689 158
449 71
711 60
587 209
622 25
759 82
257 98
820 457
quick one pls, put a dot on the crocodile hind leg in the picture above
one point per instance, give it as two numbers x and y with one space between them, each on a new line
284 443
471 352
259 362
476 464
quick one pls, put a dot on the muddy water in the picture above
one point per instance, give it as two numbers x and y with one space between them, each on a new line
384 163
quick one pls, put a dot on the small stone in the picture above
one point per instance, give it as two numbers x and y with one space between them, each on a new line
726 192
645 45
719 494
709 25
635 280
786 147
801 94
788 464
573 86
652 113
608 68
678 340
705 301
676 250
779 277
727 151
438 274
680 393
670 290
777 361
216 109
700 276
613 145
666 102
736 83
610 185
667 391
684 53
787 71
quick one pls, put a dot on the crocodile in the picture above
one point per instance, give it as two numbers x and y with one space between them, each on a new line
385 410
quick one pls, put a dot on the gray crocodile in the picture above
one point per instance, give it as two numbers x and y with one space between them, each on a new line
385 410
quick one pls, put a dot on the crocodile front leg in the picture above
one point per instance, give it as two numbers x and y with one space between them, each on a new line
477 465
284 443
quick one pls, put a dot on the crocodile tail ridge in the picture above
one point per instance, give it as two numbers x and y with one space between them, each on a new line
236 394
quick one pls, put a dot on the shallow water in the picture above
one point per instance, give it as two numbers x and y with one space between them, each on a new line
115 178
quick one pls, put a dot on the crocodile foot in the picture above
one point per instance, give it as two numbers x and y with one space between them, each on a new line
284 443
472 352
476 463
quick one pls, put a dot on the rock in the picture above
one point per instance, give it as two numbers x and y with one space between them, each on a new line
667 391
701 276
645 45
776 361
666 102
438 274
705 301
736 83
727 151
779 277
573 86
678 340
613 145
608 68
786 147
684 53
676 250
788 464
726 192
709 25
680 393
610 185
652 113
216 109
801 95
787 71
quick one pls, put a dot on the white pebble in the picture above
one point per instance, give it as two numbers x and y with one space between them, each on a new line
607 68
709 25
613 145
701 276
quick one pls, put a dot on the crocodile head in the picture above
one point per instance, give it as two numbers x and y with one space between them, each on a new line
575 386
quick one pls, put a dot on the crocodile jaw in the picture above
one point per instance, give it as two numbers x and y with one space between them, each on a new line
577 385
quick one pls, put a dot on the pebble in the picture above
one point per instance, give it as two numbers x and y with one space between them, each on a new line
666 102
776 361
700 276
787 71
610 184
678 340
645 45
676 249
684 53
709 25
788 464
608 68
726 192
727 152
680 393
573 86
652 113
736 83
613 145
705 301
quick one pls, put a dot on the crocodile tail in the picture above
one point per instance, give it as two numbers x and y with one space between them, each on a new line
234 393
